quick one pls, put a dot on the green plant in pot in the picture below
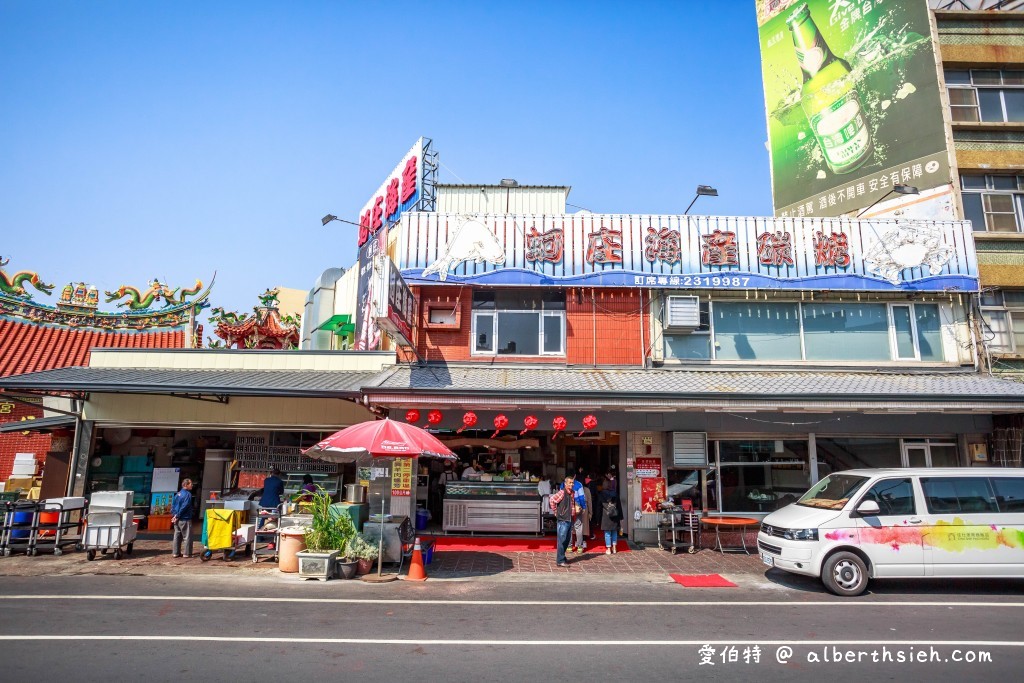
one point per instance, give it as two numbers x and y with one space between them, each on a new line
364 549
327 537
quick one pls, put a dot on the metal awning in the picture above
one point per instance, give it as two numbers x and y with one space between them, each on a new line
41 424
195 382
708 389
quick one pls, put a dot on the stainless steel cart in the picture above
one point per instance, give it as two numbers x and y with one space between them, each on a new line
267 536
679 528
109 524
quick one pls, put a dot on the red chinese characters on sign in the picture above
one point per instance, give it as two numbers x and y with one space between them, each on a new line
604 246
832 249
775 248
544 246
391 199
409 180
663 245
719 249
397 191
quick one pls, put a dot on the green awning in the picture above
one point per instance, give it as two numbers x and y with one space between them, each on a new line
338 324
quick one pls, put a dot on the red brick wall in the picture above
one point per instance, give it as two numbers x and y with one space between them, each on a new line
11 443
617 315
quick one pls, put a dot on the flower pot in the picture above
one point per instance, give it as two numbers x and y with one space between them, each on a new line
316 565
345 568
365 566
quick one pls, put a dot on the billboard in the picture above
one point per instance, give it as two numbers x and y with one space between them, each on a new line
396 310
402 191
853 102
687 252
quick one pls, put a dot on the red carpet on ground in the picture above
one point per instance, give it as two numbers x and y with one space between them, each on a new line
513 545
702 581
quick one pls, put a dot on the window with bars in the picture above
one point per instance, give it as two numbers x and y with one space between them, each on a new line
1003 313
993 203
985 95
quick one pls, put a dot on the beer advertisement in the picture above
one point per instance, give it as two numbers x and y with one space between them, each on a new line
853 104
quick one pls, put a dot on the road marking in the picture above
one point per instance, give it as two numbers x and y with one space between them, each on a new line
532 643
537 603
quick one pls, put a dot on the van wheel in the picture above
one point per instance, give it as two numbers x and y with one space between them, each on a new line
845 574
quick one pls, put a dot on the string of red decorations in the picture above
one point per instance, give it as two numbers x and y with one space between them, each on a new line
559 423
589 422
434 417
529 422
412 417
500 422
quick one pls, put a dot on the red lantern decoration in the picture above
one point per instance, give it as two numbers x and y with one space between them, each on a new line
468 421
589 422
559 424
413 416
529 422
434 417
500 422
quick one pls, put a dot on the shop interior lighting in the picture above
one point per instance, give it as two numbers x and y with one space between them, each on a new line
702 191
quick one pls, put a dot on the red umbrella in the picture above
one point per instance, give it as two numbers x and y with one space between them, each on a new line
380 438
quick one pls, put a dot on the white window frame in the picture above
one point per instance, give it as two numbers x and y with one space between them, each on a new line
906 445
1001 87
1010 313
894 345
494 313
1016 195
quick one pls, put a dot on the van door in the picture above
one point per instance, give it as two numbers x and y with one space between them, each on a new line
893 538
966 535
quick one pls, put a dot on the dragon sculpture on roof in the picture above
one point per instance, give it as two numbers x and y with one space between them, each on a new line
157 290
15 285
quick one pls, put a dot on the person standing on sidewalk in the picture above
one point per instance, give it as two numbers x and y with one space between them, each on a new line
581 525
609 523
181 519
561 503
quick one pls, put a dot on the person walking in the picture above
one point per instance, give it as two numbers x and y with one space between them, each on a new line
581 525
609 523
181 519
562 503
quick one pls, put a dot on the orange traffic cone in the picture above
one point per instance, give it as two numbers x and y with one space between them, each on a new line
416 571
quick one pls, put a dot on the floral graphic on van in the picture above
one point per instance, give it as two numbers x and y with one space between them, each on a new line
952 536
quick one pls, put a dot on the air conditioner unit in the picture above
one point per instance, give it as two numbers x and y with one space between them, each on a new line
682 313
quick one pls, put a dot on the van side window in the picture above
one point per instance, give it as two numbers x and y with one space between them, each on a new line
894 496
958 494
1009 493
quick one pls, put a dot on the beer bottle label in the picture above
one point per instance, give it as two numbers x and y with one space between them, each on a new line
843 132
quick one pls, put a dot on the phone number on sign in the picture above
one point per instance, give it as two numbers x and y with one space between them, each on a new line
692 280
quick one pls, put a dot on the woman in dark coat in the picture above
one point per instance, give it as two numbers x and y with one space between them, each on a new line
609 523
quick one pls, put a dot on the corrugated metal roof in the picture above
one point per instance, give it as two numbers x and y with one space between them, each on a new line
28 347
643 386
297 383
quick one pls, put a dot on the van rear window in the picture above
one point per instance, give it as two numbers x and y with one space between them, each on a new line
833 492
1009 493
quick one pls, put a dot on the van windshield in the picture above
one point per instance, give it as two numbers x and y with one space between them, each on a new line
833 492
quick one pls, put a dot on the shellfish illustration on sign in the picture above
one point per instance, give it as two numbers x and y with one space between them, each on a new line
471 240
907 245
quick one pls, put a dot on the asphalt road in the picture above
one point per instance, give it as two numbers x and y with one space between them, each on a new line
91 628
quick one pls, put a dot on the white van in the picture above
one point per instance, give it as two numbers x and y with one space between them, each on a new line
858 525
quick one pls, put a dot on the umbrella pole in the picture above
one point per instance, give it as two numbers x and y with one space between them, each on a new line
380 542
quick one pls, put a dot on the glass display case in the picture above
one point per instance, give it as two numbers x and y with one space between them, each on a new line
497 506
506 490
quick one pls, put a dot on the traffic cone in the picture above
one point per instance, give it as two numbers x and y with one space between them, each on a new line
416 571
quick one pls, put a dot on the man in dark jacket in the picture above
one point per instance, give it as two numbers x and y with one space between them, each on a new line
181 519
563 504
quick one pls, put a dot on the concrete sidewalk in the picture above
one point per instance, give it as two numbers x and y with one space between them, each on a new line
641 565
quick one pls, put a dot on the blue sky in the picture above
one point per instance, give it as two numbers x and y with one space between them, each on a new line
175 139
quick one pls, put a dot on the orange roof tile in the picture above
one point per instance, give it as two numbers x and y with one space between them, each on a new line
27 347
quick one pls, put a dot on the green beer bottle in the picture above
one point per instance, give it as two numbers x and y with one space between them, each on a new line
828 97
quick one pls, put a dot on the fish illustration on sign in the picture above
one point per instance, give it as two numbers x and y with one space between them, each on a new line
471 240
908 245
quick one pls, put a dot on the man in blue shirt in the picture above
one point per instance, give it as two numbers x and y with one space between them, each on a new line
273 489
181 519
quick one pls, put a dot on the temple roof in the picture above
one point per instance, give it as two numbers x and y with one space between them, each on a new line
30 347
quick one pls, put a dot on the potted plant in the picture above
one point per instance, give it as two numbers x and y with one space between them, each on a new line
326 538
365 551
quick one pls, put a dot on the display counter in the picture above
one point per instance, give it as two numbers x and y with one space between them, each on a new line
512 506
